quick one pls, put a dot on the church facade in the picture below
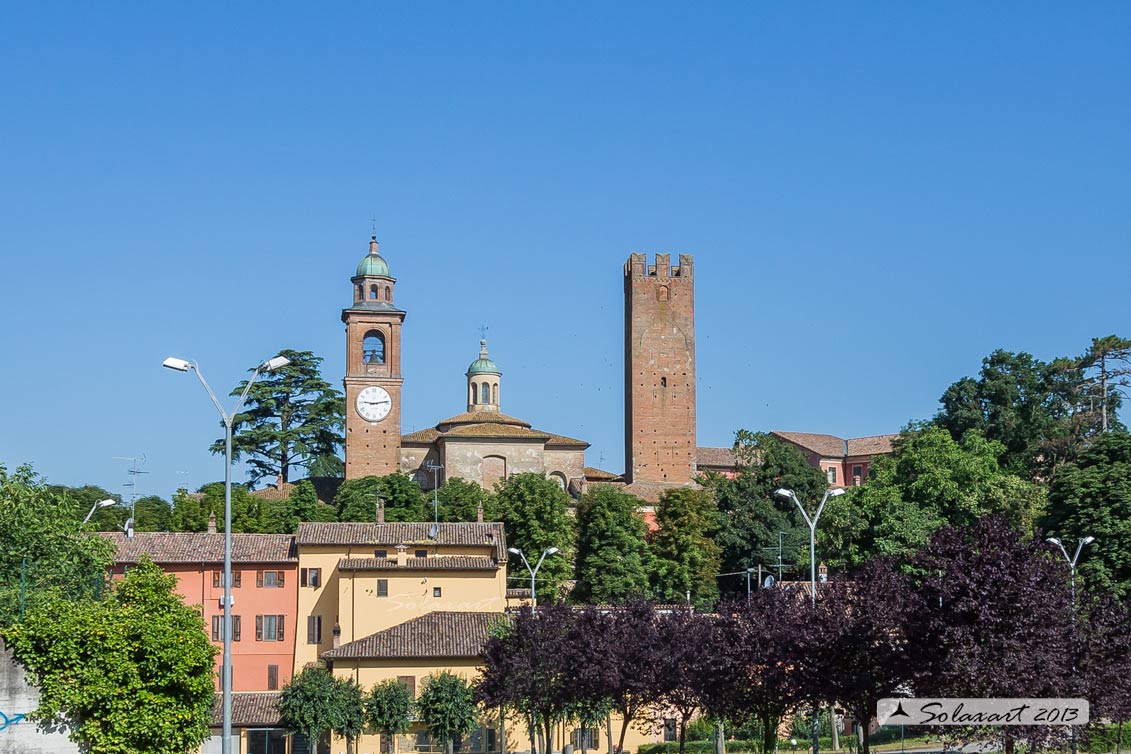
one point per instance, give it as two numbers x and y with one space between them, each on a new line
481 445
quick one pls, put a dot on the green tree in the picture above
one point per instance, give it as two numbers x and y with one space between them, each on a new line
752 515
388 710
303 505
611 551
685 557
356 499
316 703
189 513
292 418
447 706
930 480
1109 359
45 556
152 513
1093 498
111 518
535 512
246 508
132 673
460 500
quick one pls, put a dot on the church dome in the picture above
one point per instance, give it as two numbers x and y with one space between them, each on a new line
483 365
373 263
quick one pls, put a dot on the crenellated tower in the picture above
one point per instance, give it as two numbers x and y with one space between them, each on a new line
659 371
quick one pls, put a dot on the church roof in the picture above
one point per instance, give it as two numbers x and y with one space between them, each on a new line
373 263
475 425
568 441
492 429
480 417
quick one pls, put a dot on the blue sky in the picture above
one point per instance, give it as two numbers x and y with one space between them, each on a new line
877 195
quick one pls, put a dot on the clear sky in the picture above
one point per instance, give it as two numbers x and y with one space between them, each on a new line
877 195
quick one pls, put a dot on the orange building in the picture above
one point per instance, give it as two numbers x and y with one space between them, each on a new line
264 594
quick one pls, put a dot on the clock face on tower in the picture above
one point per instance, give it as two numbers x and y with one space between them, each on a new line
374 403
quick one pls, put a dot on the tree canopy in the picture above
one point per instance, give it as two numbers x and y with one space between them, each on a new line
316 703
535 512
44 554
460 500
131 673
611 551
356 499
292 418
447 706
684 555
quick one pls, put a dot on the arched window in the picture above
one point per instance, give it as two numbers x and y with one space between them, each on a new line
360 291
373 292
486 394
388 293
373 347
474 394
495 394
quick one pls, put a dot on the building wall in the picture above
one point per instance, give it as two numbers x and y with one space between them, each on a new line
17 699
350 598
250 658
659 370
568 462
468 459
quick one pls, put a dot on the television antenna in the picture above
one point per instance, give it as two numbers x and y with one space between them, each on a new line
134 471
435 468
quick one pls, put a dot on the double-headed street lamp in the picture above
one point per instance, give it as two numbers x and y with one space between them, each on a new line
96 506
533 571
270 365
790 495
1084 541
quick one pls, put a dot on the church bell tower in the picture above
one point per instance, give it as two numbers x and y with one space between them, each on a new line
373 379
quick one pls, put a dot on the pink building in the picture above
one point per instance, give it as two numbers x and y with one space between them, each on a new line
844 462
264 595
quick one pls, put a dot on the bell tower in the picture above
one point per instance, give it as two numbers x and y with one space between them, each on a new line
373 370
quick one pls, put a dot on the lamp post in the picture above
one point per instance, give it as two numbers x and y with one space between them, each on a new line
1084 541
533 571
812 521
270 365
96 506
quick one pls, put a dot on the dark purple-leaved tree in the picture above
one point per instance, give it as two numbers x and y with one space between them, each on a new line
997 619
526 667
688 663
763 646
1103 662
861 653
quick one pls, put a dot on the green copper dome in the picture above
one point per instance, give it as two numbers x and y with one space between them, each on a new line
483 365
373 264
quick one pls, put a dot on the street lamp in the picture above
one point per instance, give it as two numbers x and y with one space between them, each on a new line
790 495
270 365
1084 541
96 506
533 571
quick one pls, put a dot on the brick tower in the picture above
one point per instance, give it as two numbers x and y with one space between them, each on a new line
659 373
373 371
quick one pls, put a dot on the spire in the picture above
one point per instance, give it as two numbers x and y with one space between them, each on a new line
483 348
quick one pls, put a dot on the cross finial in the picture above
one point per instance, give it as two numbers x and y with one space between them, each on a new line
483 332
373 224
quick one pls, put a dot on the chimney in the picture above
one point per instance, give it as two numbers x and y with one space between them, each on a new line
337 635
380 511
479 513
402 556
211 523
822 573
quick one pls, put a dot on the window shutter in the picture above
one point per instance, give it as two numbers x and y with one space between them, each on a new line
236 579
235 628
216 623
409 682
279 583
303 577
316 577
278 628
259 628
310 638
215 579
272 677
382 587
259 579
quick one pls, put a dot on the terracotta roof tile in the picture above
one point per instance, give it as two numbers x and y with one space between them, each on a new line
722 458
393 534
599 475
650 491
250 709
439 634
518 594
496 430
439 562
829 446
182 547
568 441
425 436
479 417
871 446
